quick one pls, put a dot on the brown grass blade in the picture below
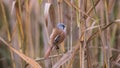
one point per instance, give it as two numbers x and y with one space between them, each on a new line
5 20
60 11
103 28
67 56
19 18
30 61
78 9
13 6
88 12
49 12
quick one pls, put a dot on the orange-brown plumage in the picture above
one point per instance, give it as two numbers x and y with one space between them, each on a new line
56 33
57 36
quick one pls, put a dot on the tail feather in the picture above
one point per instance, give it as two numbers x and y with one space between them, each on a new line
47 53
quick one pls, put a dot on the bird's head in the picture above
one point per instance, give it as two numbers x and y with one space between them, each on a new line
61 26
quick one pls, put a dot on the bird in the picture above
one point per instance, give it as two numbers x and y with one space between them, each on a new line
56 38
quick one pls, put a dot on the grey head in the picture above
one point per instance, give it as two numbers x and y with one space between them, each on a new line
61 26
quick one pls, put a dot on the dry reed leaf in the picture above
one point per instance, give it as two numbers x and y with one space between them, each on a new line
66 57
60 10
78 9
53 56
5 20
118 20
102 29
49 12
92 27
13 6
30 61
19 19
88 12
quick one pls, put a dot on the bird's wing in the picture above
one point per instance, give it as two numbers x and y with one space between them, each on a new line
57 39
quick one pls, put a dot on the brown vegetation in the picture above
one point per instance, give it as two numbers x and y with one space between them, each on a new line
92 41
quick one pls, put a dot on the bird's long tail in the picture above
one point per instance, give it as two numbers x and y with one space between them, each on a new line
47 53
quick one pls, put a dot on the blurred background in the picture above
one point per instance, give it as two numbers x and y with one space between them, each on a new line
92 40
